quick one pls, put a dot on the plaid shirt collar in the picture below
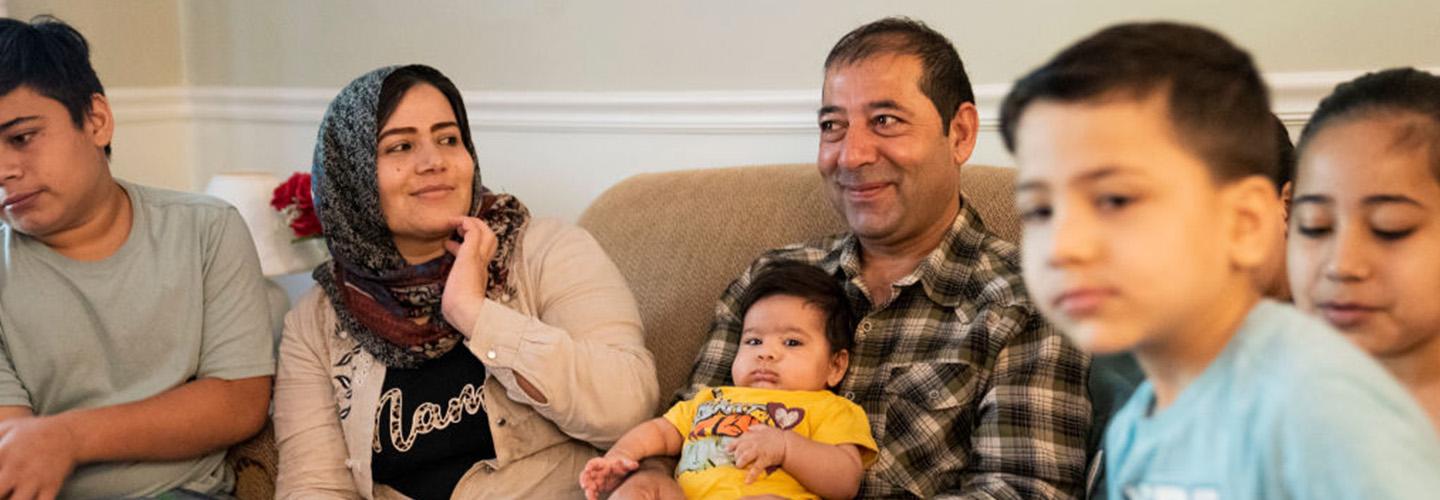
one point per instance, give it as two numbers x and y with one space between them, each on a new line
946 273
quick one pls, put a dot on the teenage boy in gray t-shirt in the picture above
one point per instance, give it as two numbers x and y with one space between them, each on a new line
134 340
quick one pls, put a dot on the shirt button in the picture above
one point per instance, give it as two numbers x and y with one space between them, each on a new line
500 423
490 354
865 327
934 394
849 395
349 464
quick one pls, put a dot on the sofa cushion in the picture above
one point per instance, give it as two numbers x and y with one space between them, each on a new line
254 462
681 237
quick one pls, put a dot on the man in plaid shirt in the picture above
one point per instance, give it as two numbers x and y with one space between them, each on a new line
969 392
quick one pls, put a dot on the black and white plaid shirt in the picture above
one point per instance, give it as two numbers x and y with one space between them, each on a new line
970 393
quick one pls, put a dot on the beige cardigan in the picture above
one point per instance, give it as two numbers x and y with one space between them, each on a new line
572 329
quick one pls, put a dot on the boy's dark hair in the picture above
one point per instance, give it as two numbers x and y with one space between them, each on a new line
51 58
1401 92
1286 155
943 78
811 284
404 78
1217 102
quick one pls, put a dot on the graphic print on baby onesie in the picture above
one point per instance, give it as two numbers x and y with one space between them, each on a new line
720 421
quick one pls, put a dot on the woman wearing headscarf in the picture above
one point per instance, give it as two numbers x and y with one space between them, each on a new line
454 347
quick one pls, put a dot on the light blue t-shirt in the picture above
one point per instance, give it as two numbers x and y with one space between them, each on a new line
1289 409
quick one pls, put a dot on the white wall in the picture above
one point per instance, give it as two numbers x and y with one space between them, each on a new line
556 150
570 96
567 96
685 45
133 43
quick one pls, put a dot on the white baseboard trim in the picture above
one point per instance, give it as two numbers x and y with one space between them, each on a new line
1294 96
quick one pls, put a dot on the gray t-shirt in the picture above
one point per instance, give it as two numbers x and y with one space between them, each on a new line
183 298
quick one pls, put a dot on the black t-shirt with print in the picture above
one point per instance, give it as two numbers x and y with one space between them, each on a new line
425 457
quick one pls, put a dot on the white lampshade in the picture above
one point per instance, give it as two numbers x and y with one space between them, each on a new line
250 193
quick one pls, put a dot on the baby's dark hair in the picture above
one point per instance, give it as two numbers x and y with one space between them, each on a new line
811 284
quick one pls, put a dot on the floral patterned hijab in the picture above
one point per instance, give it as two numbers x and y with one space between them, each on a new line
390 307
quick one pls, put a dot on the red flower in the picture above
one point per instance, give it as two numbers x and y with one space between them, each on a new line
306 225
292 199
292 191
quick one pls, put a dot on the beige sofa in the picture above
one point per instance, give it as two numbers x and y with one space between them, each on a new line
679 238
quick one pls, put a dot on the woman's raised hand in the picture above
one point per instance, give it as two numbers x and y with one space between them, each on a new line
470 275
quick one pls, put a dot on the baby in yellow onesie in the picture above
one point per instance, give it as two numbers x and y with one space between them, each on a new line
779 431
